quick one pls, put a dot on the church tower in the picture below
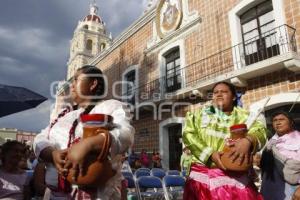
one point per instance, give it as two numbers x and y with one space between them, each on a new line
89 39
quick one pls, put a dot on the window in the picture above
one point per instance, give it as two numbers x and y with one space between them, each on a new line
89 44
259 35
102 46
173 72
86 27
129 89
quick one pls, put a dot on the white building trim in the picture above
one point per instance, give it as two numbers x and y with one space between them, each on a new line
276 101
164 138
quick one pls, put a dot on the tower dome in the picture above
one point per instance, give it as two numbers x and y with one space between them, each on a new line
93 14
90 38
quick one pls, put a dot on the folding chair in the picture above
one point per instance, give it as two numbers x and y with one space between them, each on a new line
132 193
126 173
143 169
149 187
173 186
141 172
158 172
173 172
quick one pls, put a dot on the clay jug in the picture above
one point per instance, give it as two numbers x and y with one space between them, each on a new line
237 131
97 168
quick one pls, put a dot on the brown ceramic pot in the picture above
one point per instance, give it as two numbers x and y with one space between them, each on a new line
97 168
237 131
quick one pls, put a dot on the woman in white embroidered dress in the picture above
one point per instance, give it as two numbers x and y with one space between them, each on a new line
51 144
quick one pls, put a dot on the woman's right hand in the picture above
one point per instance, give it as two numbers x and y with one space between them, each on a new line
59 160
216 158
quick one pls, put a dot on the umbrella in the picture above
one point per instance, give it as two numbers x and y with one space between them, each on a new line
15 99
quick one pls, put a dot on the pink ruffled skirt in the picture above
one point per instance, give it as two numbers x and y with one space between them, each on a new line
214 184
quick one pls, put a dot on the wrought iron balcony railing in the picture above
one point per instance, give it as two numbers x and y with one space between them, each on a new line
278 41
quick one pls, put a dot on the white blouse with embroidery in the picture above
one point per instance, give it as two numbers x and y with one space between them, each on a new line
122 139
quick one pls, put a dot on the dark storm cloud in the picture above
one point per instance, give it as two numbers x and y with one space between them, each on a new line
34 45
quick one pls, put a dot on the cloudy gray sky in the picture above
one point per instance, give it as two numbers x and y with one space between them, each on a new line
34 45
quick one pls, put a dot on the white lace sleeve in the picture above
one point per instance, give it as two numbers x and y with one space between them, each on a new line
41 141
123 133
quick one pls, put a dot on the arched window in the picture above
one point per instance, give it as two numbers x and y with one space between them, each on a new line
89 44
129 92
102 46
130 84
86 27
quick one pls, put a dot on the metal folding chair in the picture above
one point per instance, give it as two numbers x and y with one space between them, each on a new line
141 172
132 193
144 169
126 173
173 186
158 172
173 172
149 187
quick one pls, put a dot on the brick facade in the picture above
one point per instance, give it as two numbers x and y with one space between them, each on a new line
208 55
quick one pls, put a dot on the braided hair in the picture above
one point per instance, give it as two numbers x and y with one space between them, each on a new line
95 74
99 92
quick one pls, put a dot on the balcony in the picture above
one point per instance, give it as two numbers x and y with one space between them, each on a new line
275 50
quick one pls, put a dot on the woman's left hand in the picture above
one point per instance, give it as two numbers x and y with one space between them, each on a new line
240 151
296 195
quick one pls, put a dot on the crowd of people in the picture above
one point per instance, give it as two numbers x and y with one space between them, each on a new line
59 150
144 160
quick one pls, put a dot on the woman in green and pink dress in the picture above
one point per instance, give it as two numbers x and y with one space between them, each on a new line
204 134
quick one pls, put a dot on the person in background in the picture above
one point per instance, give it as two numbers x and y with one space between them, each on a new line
204 135
156 159
14 182
257 170
23 163
63 137
144 159
281 160
32 161
185 159
132 158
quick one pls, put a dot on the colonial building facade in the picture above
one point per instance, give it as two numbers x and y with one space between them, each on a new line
171 57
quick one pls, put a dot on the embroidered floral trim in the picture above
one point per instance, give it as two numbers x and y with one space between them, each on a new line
220 181
205 153
63 113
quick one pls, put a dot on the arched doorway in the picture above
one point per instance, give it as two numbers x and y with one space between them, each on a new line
283 101
170 145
